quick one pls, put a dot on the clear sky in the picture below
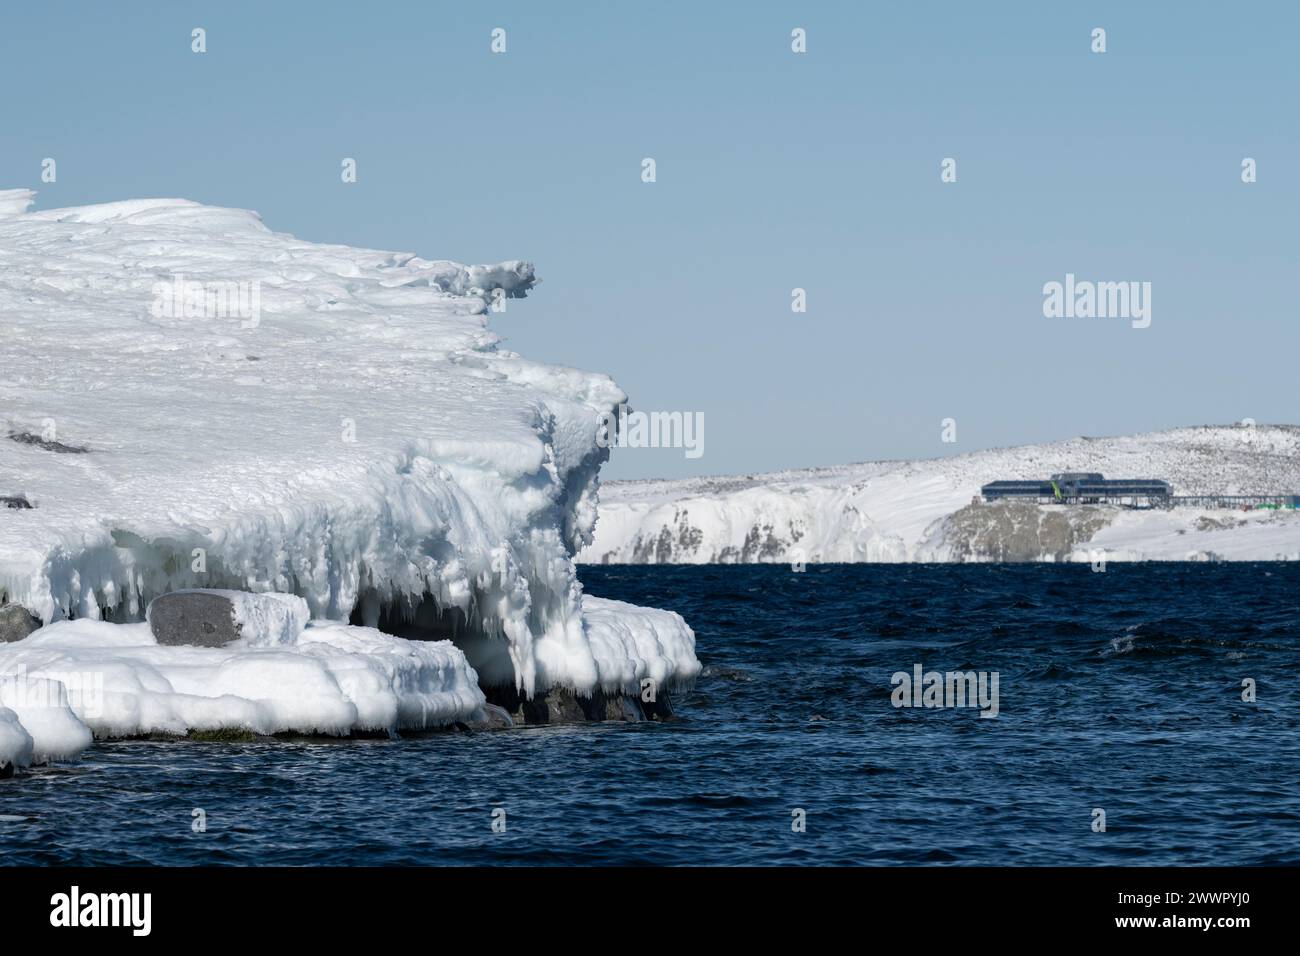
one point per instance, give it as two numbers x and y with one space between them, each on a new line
775 170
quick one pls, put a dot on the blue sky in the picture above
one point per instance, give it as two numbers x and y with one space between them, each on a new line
774 171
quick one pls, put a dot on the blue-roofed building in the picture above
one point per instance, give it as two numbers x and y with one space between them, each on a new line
1083 487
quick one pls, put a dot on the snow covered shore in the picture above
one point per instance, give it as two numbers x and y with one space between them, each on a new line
193 401
900 511
335 679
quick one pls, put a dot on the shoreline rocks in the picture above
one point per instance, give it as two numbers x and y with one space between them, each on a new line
561 705
16 623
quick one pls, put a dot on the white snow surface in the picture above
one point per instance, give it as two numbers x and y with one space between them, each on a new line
895 511
337 679
365 442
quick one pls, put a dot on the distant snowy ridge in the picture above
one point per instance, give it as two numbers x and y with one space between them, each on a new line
901 511
363 442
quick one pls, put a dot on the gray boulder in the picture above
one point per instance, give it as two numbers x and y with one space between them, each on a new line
206 617
16 622
194 618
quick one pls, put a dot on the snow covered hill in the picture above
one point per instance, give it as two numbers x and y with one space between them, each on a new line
921 510
192 400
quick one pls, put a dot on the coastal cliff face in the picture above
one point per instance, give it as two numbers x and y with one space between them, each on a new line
910 511
1008 531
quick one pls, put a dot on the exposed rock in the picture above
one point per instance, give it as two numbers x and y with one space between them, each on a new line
16 622
213 618
560 705
198 618
15 501
1018 531
1206 523
669 544
621 707
27 438
660 709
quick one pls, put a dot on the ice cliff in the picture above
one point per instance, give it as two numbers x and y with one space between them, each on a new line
192 400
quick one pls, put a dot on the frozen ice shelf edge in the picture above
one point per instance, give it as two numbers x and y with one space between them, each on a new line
365 444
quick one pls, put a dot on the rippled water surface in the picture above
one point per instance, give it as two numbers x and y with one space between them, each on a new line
1119 691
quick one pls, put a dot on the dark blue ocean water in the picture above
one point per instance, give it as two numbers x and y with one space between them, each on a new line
1118 691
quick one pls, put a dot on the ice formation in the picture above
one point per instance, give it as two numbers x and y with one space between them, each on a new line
335 679
40 709
192 400
15 741
631 644
902 511
628 644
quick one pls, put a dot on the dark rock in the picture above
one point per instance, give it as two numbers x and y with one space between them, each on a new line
223 735
620 707
6 771
196 618
560 705
15 501
659 709
27 438
1016 531
16 622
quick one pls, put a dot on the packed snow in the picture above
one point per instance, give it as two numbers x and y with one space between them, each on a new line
899 511
335 679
